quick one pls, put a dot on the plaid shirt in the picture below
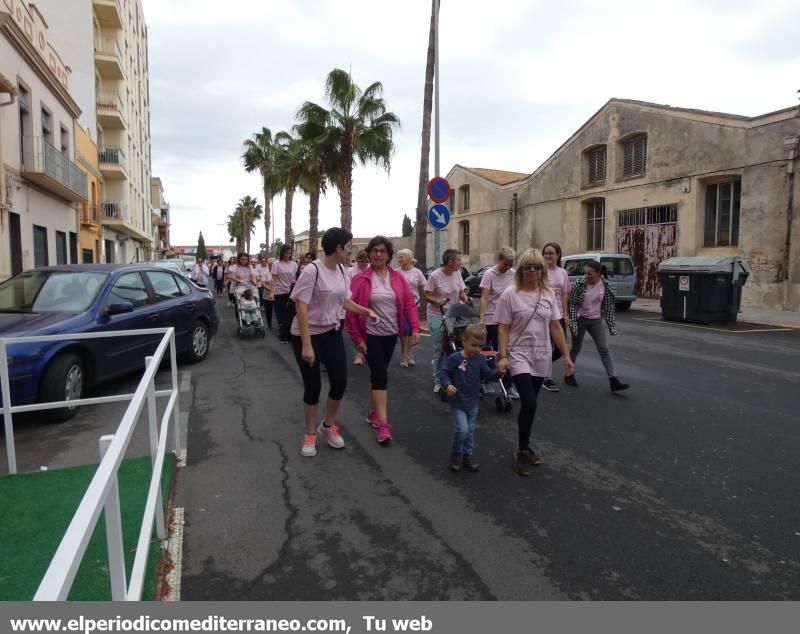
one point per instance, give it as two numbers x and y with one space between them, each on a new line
607 308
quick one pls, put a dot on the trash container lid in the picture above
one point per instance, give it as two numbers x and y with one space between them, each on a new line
704 264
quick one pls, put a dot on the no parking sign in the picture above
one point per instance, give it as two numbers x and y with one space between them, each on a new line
683 283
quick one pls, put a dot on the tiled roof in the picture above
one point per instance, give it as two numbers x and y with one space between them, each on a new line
501 177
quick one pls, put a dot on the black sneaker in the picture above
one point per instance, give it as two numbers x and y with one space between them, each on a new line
467 463
570 380
550 385
617 385
455 461
521 464
533 459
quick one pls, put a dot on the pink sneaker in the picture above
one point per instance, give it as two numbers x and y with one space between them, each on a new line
372 418
384 433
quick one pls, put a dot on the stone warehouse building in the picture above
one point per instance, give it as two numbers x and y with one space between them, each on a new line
652 181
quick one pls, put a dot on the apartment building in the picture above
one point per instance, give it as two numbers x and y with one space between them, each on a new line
106 44
91 229
652 181
40 182
161 220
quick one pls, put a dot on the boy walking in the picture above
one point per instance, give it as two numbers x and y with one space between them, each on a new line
461 376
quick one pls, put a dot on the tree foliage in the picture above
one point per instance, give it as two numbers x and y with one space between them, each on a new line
408 228
201 247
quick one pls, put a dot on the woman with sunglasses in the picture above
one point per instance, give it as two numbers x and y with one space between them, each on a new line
558 281
527 315
590 304
386 292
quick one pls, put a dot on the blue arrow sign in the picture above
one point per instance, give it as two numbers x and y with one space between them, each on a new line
439 216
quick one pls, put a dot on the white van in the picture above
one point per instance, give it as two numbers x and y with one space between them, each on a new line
621 274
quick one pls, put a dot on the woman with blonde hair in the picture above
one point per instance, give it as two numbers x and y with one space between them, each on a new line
528 315
416 282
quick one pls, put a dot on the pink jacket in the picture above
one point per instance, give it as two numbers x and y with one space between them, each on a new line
360 292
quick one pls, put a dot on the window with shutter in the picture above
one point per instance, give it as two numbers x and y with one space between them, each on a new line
595 224
723 202
635 156
597 165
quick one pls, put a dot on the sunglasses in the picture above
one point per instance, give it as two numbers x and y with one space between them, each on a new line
532 267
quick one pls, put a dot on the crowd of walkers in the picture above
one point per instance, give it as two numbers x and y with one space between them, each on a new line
527 305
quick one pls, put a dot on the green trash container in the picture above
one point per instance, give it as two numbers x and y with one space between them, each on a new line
706 290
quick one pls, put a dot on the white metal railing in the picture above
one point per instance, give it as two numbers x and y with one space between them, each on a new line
112 155
110 100
39 155
115 209
102 493
107 45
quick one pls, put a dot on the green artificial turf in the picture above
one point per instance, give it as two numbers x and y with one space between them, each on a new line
35 510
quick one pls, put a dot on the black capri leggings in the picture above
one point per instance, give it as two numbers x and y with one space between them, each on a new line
328 350
379 355
528 387
282 313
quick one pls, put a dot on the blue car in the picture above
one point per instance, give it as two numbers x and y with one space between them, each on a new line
95 298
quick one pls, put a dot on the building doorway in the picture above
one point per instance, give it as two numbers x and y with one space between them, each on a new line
649 235
15 236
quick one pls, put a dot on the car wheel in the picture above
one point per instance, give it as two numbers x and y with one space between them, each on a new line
200 340
63 380
623 306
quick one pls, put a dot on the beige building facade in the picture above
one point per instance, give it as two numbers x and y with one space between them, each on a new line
653 181
42 187
91 234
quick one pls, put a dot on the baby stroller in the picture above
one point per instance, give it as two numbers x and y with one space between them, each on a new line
456 319
249 318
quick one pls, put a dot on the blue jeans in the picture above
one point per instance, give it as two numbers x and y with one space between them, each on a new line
436 324
464 429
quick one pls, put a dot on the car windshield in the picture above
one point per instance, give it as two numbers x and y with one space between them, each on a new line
50 291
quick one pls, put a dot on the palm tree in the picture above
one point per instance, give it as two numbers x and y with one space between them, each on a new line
241 222
259 154
420 242
317 150
288 166
360 128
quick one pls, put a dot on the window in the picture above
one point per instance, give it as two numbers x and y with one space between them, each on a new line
128 288
61 247
88 256
595 224
64 141
464 227
635 156
24 120
663 214
617 266
47 126
722 213
597 164
109 248
576 267
40 253
73 248
184 286
464 198
164 285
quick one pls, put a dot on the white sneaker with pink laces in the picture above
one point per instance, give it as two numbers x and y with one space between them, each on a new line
331 434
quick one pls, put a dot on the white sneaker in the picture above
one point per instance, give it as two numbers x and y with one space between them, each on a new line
437 388
309 446
512 393
331 434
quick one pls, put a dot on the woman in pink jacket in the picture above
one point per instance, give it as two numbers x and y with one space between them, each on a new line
387 293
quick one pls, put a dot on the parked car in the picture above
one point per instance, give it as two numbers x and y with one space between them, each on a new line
621 274
464 272
176 266
473 282
95 298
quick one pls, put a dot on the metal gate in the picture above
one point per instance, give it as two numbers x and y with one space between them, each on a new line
649 236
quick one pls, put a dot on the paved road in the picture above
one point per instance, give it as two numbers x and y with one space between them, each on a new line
683 488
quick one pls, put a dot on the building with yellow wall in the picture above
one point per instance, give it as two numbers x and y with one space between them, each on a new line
91 232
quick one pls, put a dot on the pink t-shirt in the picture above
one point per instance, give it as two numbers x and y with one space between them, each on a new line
558 280
496 282
284 274
243 276
416 280
384 302
263 274
324 294
529 348
442 285
590 308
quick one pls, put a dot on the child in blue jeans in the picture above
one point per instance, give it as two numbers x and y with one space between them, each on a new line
461 376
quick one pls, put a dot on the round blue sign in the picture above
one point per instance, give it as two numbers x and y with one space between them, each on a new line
439 216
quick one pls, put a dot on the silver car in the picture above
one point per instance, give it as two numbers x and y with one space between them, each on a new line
621 274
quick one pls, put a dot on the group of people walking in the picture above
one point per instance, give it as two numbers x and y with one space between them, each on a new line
526 307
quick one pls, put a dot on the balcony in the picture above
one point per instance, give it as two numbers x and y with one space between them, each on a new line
116 216
109 13
108 57
90 215
48 168
113 163
110 111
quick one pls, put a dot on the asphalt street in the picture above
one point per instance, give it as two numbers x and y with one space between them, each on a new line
683 488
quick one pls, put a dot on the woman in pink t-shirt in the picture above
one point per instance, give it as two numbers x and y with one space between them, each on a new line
284 274
319 294
386 292
416 282
591 302
558 281
230 269
528 314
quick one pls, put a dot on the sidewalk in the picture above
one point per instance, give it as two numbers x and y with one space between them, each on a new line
749 315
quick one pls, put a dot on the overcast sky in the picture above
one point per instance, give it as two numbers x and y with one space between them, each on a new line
517 78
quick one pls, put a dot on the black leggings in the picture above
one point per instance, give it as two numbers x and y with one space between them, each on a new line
328 350
528 387
268 305
282 313
556 352
379 356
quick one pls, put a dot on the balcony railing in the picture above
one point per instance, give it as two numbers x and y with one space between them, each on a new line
90 215
42 158
107 45
116 210
112 156
109 100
